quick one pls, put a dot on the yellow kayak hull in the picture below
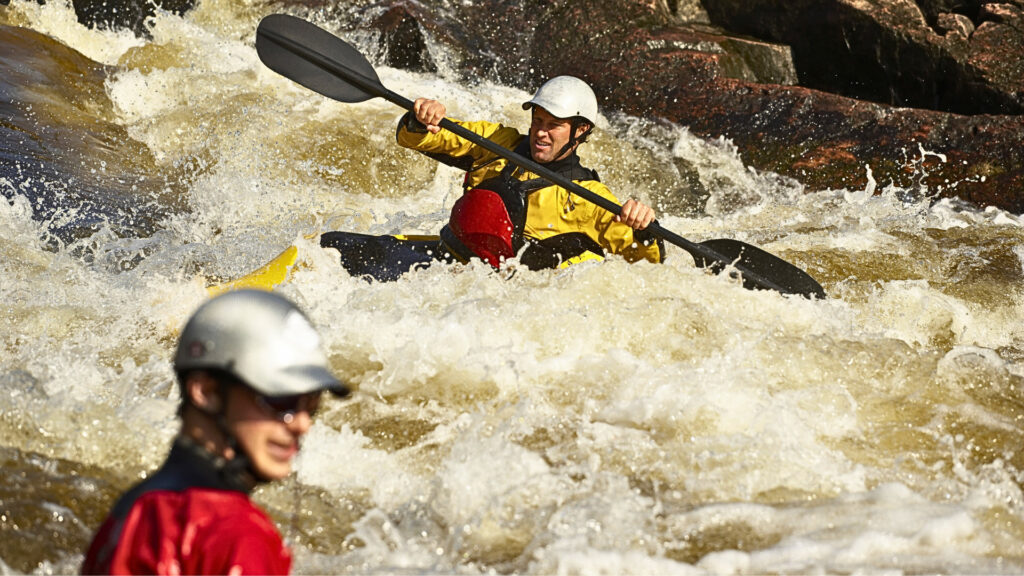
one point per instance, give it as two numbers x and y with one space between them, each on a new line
266 277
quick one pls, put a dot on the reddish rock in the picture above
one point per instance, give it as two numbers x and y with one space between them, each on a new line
964 57
821 139
996 49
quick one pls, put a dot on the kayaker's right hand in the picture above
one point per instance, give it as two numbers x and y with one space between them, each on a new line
429 113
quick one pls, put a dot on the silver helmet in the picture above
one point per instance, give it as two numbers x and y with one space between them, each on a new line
566 97
262 339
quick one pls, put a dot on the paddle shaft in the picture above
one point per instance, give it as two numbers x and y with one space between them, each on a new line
373 87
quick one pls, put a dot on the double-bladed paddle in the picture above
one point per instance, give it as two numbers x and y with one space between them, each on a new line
322 62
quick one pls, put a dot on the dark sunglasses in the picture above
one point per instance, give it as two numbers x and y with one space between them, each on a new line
285 408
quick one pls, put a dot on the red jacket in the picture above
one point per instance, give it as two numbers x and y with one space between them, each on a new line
185 520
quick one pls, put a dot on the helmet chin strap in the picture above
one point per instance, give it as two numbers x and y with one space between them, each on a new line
237 472
565 149
573 140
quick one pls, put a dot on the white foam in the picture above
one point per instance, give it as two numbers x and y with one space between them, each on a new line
607 418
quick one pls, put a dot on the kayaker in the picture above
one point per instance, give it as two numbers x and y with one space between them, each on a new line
251 374
504 207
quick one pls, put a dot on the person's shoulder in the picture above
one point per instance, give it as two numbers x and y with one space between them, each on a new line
230 522
223 505
496 131
238 538
597 187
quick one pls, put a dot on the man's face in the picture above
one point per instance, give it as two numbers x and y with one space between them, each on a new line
548 135
270 437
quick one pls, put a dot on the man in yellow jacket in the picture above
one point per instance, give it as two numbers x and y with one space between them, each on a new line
506 210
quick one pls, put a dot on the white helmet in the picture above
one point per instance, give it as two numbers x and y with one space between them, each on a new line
566 97
262 339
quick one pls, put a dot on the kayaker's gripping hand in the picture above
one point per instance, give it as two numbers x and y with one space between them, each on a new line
429 113
412 124
635 214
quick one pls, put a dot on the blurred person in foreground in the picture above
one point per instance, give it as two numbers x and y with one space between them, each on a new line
251 372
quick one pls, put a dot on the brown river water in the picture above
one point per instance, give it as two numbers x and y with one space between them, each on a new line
603 419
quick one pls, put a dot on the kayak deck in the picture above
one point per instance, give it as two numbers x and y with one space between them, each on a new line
381 258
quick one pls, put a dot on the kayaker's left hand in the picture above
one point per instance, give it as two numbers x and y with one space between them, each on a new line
635 214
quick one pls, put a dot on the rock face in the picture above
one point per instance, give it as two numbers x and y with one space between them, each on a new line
400 41
820 138
963 57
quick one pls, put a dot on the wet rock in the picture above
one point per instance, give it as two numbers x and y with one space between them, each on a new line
996 50
465 38
125 14
78 181
822 139
634 27
963 57
402 41
934 9
957 27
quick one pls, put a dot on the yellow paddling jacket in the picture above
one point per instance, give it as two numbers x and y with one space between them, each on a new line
556 225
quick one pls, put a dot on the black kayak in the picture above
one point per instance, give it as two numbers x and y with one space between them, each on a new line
382 258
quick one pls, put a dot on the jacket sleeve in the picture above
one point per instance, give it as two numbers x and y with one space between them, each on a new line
618 238
450 148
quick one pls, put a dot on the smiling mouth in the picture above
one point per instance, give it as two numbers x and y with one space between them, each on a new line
284 451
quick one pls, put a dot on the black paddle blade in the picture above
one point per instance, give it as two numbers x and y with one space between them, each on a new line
785 277
301 51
